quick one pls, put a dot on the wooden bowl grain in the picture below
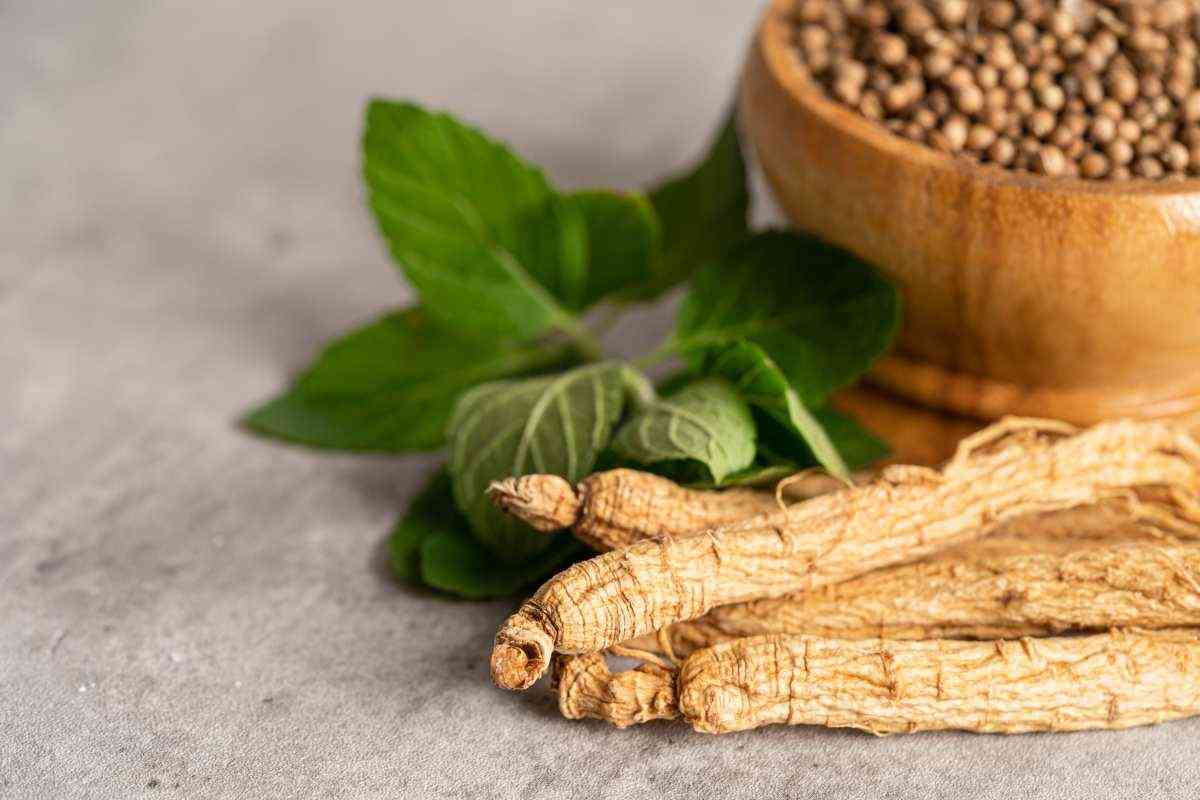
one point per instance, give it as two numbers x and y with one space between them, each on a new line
1072 299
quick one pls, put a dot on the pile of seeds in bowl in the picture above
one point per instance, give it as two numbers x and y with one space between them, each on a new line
1101 89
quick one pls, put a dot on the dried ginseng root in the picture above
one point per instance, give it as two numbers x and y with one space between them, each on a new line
1016 583
616 508
1105 681
1009 585
1010 469
587 689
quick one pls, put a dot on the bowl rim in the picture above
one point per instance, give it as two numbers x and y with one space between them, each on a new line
783 62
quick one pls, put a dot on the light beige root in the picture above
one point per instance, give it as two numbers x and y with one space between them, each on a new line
1005 587
1031 579
618 507
1105 681
1009 470
586 688
1113 680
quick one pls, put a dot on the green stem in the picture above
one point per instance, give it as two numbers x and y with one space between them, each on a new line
639 386
608 316
537 358
660 354
582 338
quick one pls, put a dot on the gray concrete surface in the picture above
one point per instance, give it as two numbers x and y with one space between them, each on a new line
188 612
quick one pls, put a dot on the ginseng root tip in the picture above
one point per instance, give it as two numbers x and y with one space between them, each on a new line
546 503
521 655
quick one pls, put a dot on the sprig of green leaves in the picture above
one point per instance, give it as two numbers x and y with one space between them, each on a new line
497 363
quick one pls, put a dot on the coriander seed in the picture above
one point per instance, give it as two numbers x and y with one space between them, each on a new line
1099 89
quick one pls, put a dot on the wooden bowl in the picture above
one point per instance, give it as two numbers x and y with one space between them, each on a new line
915 434
1072 299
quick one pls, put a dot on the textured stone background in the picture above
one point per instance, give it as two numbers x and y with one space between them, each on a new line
188 612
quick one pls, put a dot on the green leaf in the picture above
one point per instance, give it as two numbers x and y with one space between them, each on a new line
706 422
623 234
762 383
674 381
432 545
779 444
557 424
479 232
453 561
639 389
858 446
431 512
764 475
390 385
552 247
703 212
821 315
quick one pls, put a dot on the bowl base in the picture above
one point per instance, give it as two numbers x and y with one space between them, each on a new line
923 434
915 434
988 399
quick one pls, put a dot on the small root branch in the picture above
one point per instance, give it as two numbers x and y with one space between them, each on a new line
546 503
616 508
586 688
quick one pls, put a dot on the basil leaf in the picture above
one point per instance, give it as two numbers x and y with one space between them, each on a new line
479 232
431 512
703 212
623 234
822 315
705 422
557 424
761 382
390 385
453 561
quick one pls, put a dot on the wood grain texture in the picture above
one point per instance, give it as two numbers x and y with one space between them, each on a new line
1068 299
